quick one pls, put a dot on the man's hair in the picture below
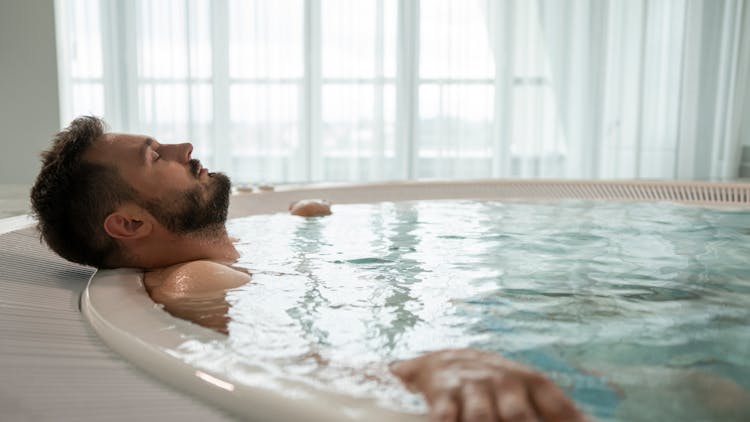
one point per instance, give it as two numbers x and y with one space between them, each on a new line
72 197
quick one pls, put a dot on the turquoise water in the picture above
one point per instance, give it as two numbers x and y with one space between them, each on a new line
640 311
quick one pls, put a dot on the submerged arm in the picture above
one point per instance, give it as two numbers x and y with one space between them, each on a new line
310 208
471 385
196 291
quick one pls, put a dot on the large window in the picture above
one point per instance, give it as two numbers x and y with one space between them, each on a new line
349 90
300 90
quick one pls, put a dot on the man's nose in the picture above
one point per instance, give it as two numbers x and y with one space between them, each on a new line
177 152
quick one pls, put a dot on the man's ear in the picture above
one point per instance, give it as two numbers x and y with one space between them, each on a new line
128 222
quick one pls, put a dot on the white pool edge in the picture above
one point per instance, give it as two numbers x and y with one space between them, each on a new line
146 337
18 222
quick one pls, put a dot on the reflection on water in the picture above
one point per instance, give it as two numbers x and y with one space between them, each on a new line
640 311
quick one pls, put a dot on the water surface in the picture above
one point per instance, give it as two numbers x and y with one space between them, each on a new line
640 311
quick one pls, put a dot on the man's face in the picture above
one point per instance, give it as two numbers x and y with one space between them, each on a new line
181 194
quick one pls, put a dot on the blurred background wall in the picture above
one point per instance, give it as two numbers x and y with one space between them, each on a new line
29 102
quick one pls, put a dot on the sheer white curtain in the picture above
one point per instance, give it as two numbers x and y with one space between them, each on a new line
650 89
314 90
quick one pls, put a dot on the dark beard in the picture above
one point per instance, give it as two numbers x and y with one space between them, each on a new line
200 209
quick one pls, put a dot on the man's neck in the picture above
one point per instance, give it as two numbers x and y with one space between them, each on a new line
170 249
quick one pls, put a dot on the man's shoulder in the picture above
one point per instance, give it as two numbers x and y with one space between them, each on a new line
193 278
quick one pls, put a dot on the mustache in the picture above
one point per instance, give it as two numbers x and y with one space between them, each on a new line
195 167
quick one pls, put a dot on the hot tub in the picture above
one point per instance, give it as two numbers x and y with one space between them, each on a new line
117 306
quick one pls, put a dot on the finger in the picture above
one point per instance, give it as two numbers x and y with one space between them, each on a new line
405 370
513 405
443 409
477 404
552 404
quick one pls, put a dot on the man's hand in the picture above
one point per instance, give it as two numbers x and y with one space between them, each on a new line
310 208
471 385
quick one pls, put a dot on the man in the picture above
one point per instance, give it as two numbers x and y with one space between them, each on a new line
116 200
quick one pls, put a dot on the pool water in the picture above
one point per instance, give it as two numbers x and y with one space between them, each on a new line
639 311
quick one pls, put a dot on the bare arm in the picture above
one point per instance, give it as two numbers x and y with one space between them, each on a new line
310 208
471 385
196 291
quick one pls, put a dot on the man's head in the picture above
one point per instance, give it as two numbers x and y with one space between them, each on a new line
99 194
